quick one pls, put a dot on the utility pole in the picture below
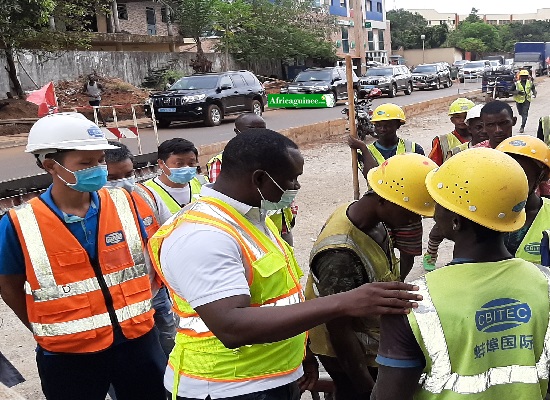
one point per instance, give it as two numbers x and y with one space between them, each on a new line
359 33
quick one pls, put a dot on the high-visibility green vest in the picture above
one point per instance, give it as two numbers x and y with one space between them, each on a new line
447 143
340 233
484 331
403 146
170 202
529 249
546 129
528 92
273 278
458 149
277 219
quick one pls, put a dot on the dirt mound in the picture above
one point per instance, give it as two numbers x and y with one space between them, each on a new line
274 87
16 109
116 92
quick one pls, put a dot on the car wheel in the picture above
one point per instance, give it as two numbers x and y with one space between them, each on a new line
393 91
256 107
409 88
213 116
438 85
450 82
447 84
163 123
335 94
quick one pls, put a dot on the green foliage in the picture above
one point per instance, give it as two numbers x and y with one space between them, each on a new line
285 29
473 16
476 37
537 31
158 78
407 28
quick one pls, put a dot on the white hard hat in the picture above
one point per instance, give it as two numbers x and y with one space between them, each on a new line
474 112
65 131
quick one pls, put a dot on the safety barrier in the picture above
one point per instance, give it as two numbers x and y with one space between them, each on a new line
122 132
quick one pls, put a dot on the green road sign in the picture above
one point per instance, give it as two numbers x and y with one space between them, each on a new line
368 24
300 100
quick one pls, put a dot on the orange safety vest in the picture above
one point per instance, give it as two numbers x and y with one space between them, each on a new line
73 302
147 208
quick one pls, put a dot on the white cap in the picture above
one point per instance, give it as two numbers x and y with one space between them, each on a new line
474 112
65 131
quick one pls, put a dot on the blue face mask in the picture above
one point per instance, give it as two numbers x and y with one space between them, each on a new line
286 199
87 180
182 175
126 183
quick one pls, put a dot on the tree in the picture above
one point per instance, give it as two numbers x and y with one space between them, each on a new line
285 29
195 18
537 31
406 28
473 16
43 26
486 37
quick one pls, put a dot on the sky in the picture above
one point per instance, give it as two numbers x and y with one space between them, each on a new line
464 6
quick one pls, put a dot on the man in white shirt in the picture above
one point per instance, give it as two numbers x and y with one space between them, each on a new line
236 283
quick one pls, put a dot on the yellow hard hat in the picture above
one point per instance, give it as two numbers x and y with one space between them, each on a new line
385 112
483 185
527 146
523 72
400 179
460 105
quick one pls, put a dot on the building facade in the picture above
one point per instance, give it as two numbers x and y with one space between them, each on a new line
365 35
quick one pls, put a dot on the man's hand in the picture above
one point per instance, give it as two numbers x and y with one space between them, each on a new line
355 143
311 372
380 298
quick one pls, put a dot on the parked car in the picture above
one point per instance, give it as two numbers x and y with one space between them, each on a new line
322 80
389 80
459 63
431 76
474 70
208 97
495 65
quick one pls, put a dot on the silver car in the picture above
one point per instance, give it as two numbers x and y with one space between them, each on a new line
474 70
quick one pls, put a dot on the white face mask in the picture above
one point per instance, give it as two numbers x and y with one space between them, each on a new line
286 199
125 183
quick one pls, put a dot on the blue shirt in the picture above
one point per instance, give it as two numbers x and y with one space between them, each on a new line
12 260
390 152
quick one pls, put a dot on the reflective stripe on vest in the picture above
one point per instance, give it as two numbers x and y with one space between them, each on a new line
442 377
447 143
149 198
403 146
529 248
194 185
49 290
546 129
528 93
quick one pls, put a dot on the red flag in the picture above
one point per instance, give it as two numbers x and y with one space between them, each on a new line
45 99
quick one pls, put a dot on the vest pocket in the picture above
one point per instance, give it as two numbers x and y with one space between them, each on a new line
136 291
115 257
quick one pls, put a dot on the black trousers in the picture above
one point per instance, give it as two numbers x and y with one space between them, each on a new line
286 392
346 389
523 110
134 367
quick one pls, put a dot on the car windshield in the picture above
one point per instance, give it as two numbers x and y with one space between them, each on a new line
422 69
474 65
460 62
379 72
307 76
196 82
495 63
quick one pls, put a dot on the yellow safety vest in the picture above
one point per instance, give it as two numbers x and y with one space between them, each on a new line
170 202
447 143
403 146
484 331
529 249
546 129
340 233
528 93
273 278
458 149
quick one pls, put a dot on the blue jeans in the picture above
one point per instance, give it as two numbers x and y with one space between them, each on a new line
164 320
286 392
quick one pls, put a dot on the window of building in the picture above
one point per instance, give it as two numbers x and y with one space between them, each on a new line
380 39
379 7
165 14
345 40
370 38
122 12
369 5
492 21
343 3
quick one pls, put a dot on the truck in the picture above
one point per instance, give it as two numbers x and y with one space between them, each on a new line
532 56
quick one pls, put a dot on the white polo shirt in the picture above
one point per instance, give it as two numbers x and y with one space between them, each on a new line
204 264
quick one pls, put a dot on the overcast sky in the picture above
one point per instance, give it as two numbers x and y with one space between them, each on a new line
464 6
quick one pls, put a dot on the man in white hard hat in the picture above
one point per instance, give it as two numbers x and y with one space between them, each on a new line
73 270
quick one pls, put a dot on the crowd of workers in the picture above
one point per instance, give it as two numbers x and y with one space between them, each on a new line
185 287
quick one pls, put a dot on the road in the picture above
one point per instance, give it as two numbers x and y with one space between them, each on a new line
14 163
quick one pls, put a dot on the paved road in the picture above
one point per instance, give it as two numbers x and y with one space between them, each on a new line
14 163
